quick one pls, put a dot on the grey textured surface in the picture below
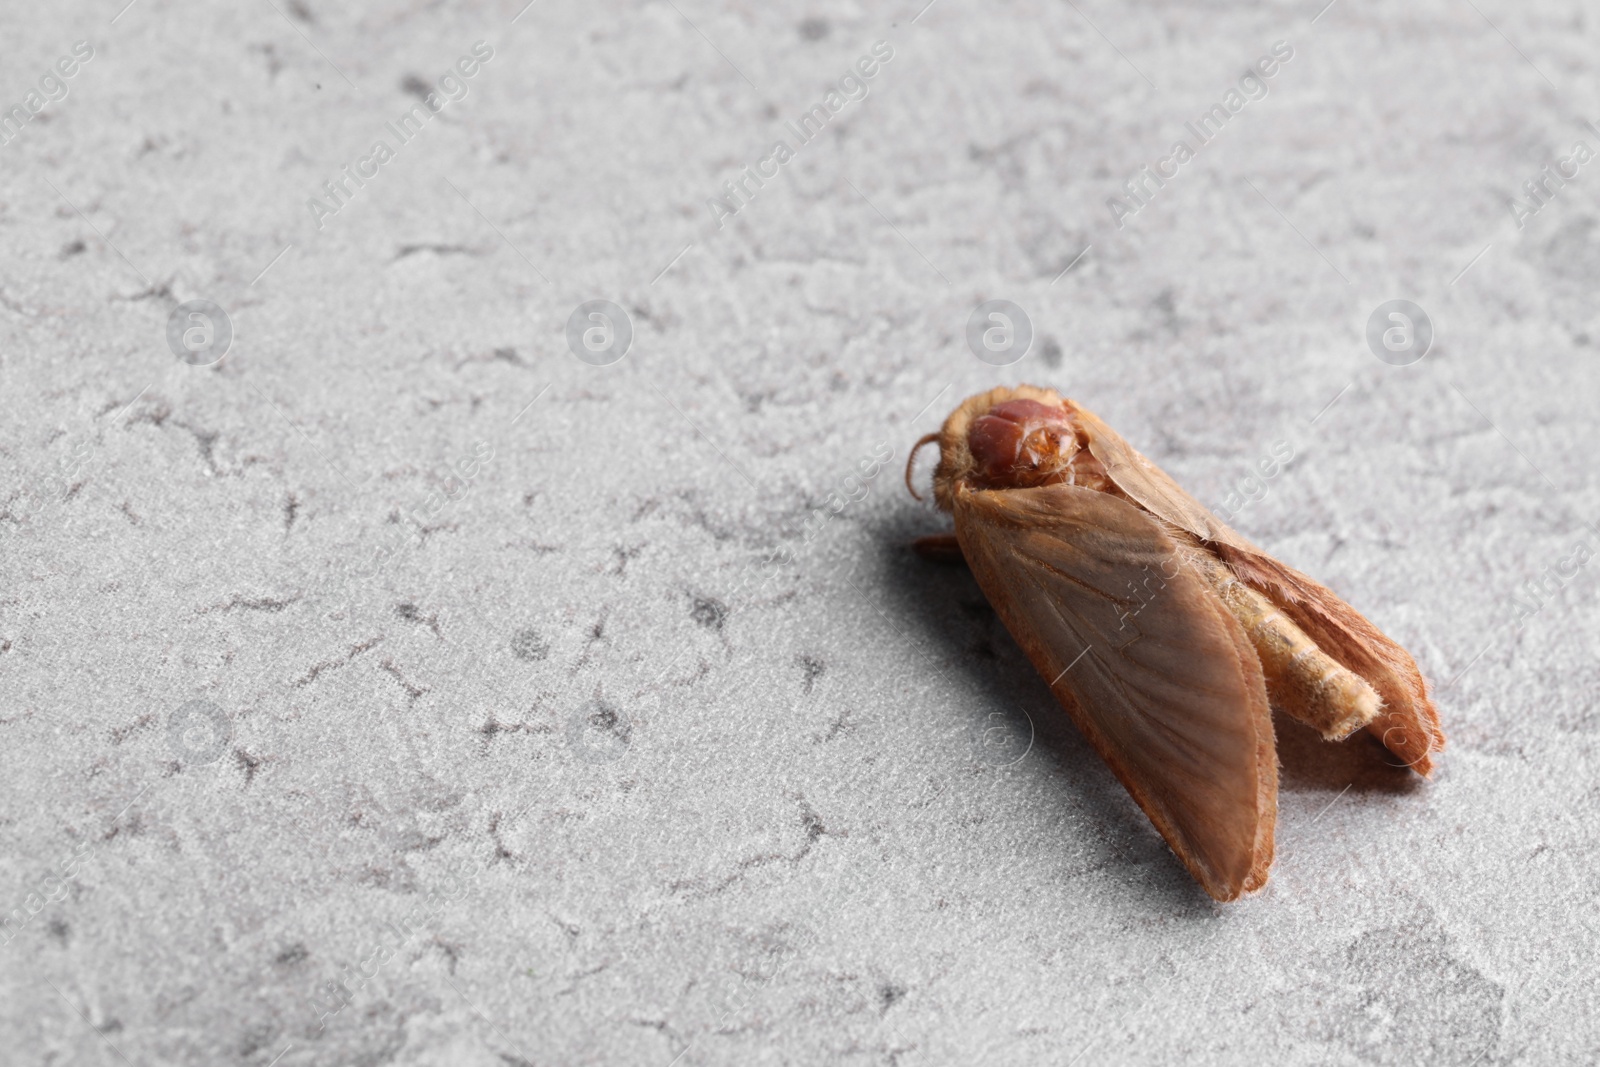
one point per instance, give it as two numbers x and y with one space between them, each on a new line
581 771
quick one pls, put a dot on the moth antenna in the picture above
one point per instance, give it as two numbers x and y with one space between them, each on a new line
911 461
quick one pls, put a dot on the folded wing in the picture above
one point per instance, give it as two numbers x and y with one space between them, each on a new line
1149 664
1408 724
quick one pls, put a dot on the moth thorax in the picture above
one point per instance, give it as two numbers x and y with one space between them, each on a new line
1023 443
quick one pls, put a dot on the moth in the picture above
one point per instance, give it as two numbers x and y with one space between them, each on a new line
1165 635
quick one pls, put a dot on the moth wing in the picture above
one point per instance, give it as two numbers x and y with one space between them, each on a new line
1170 694
1408 724
1152 486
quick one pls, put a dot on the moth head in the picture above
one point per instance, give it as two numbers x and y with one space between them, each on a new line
1011 438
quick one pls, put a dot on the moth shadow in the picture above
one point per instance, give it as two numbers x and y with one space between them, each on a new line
940 607
1308 764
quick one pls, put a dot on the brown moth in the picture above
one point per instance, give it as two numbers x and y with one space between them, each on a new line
1162 632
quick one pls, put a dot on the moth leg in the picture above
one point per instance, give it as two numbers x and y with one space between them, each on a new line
1302 679
940 548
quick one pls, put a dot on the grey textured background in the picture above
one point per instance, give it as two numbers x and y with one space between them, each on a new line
641 791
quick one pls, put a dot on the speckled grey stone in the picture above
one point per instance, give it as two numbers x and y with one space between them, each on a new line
582 714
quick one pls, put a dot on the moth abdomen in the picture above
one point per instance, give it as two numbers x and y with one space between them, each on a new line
1301 678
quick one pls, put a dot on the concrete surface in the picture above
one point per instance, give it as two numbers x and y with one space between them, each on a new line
402 689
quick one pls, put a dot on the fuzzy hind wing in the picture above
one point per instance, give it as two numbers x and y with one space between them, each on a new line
1407 723
1170 693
